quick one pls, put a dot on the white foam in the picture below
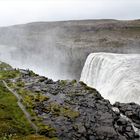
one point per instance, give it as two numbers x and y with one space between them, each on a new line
115 76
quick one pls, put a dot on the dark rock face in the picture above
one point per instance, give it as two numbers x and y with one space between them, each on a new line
131 110
75 111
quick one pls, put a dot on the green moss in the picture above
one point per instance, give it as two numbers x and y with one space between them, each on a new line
73 82
17 85
31 96
63 82
20 84
28 100
31 100
9 74
11 85
47 130
32 137
40 98
24 92
70 113
31 73
60 110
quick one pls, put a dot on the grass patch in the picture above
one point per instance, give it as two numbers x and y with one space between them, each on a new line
4 66
9 74
12 119
61 110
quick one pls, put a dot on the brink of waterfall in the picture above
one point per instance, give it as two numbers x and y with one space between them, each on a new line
115 76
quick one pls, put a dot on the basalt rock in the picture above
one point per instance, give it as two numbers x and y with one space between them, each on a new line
75 111
131 110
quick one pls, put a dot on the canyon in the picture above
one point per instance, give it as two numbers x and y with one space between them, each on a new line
75 79
59 49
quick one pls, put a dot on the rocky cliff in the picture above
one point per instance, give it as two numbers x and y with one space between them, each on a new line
65 109
59 49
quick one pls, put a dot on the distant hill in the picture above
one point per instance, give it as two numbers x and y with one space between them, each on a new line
59 49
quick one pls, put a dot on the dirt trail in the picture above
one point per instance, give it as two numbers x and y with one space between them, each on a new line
19 98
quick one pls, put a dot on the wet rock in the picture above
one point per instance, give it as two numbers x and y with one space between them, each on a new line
106 132
121 121
131 110
81 128
92 137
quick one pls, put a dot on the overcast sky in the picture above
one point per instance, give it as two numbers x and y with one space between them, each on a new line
24 11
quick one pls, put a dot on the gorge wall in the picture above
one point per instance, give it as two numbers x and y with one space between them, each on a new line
59 49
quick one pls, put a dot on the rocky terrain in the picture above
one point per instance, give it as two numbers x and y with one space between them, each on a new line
131 110
68 110
39 45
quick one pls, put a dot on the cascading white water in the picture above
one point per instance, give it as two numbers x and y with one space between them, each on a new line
115 76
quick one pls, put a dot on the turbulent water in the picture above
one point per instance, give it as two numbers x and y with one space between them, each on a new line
115 76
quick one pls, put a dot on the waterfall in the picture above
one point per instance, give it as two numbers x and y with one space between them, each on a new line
115 76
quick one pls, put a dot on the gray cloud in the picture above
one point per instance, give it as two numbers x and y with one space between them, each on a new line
23 11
